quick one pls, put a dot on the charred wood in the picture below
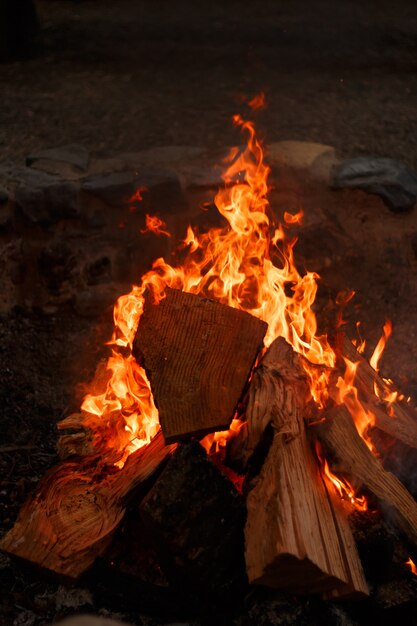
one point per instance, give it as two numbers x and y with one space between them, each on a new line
196 518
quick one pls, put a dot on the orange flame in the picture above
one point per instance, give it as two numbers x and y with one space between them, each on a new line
248 265
348 395
294 218
343 487
412 566
380 347
258 102
155 225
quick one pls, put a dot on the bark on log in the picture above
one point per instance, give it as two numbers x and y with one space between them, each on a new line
351 455
70 519
198 355
402 424
297 536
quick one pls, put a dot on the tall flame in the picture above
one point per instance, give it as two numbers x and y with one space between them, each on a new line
248 265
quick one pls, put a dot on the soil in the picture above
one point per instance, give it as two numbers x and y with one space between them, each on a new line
125 76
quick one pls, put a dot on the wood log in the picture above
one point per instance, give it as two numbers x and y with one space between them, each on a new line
353 458
196 518
78 441
402 424
297 535
198 355
72 516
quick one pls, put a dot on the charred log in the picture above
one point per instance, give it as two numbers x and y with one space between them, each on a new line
196 518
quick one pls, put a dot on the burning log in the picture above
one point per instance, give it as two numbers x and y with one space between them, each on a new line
71 518
297 537
401 423
341 439
198 355
196 518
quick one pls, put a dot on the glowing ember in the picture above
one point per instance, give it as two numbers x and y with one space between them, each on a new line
155 225
412 566
248 265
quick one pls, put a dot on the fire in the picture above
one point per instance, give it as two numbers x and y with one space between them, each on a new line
412 566
343 487
347 394
155 225
380 347
248 265
258 102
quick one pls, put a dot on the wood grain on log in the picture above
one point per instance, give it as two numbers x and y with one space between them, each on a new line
198 355
339 436
297 536
70 519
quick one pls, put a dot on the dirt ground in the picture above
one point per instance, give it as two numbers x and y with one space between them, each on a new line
123 76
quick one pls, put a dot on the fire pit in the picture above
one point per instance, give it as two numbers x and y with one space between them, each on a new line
225 427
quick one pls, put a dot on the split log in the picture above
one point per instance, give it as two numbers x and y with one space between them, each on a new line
71 518
402 424
198 355
79 440
196 518
353 458
297 536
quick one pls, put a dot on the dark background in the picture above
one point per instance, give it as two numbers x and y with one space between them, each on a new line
125 75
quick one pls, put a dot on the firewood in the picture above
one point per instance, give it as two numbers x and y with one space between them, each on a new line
402 424
72 516
196 518
297 536
353 458
198 355
79 440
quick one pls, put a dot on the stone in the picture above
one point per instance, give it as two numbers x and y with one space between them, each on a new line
45 199
160 189
115 189
393 181
166 156
317 158
73 157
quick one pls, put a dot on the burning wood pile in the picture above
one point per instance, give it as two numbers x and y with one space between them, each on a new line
217 363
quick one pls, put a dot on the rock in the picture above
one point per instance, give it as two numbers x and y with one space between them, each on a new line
43 198
393 181
66 161
318 159
160 189
166 156
115 188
